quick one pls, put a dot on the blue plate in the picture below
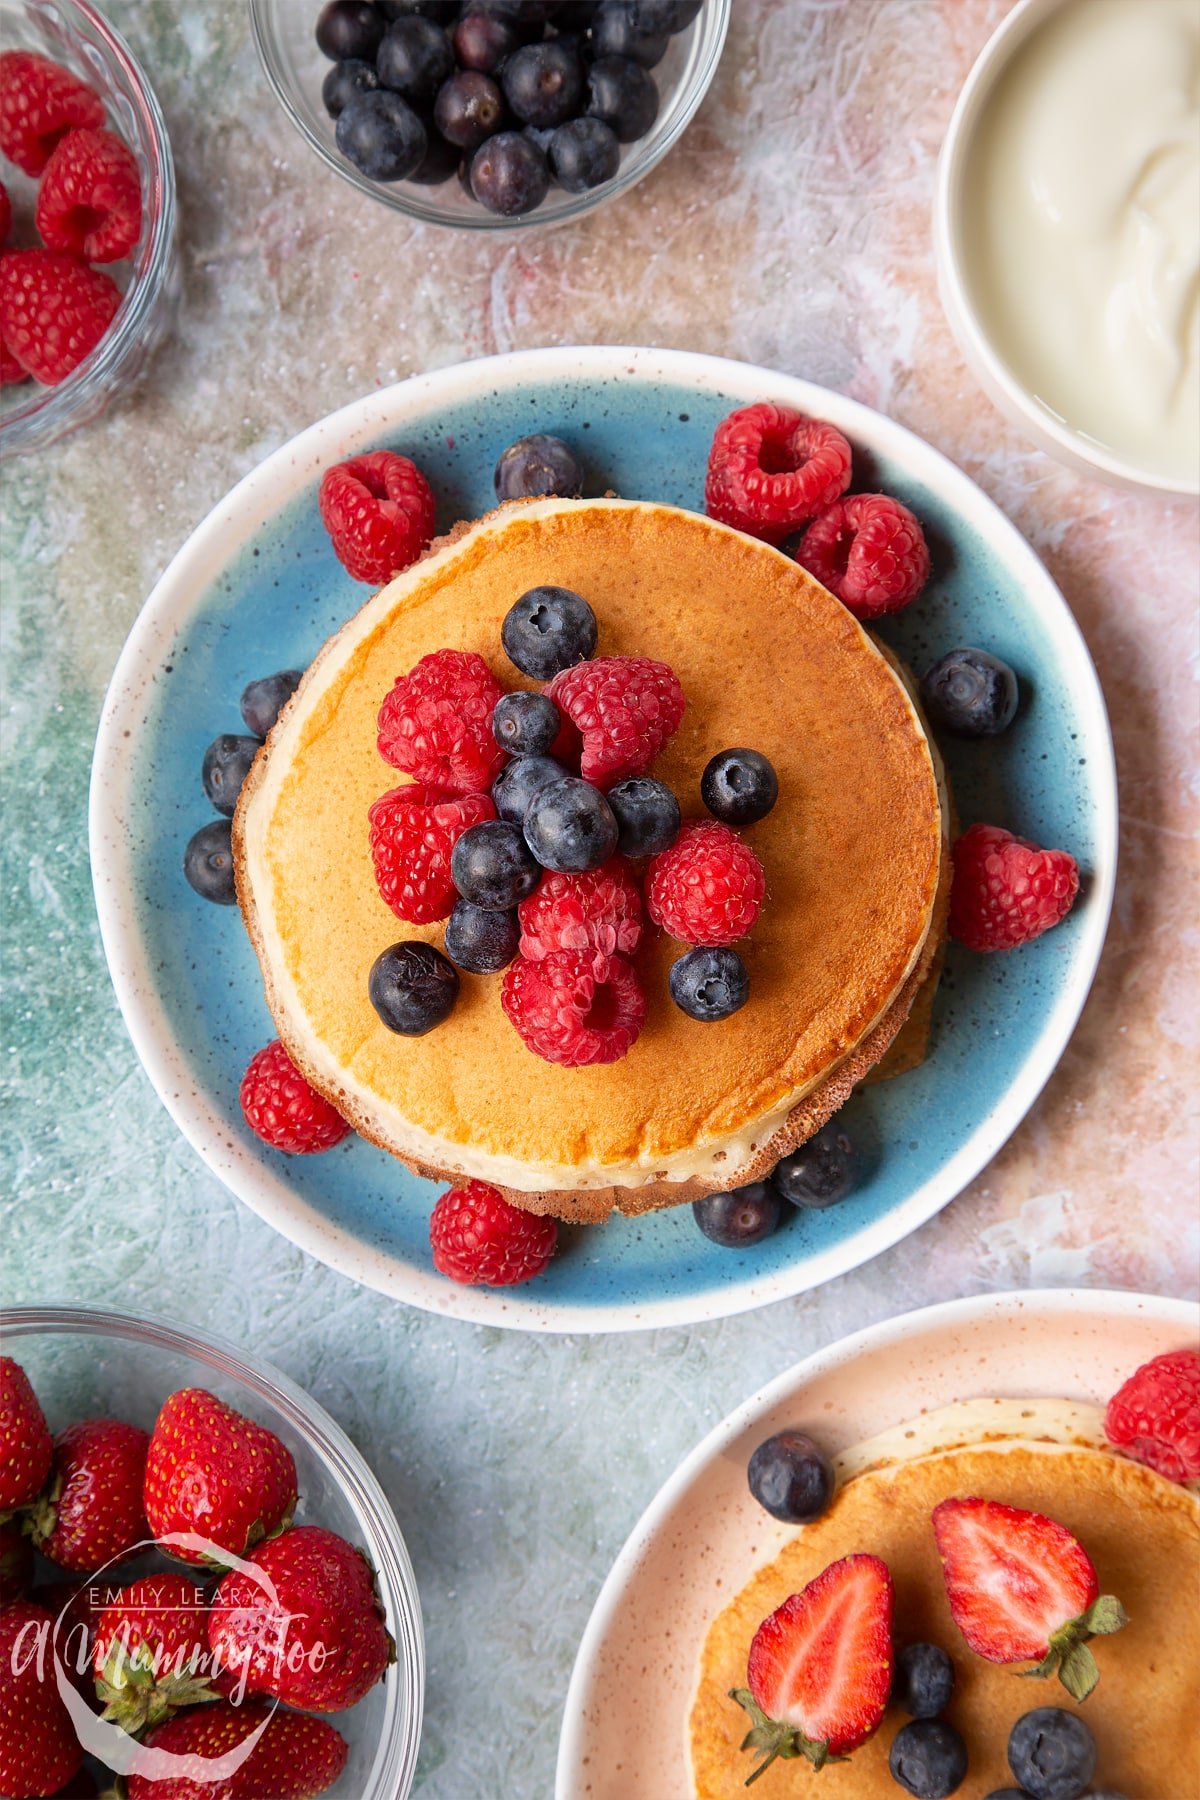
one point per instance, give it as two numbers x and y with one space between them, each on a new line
257 587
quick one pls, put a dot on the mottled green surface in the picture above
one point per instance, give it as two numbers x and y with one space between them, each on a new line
792 234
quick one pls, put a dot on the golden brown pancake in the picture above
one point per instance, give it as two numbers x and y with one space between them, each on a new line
1142 1533
853 853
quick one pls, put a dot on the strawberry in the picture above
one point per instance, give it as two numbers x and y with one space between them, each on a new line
39 1752
16 1562
820 1668
1022 1589
215 1474
91 1514
26 1447
151 1655
319 1640
77 1608
294 1759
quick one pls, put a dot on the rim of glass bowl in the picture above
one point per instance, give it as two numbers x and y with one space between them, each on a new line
51 412
711 28
395 1765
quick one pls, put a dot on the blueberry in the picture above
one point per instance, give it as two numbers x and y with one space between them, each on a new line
971 693
343 81
1052 1753
547 630
1011 1794
709 984
442 12
665 15
928 1758
482 41
263 700
647 815
349 28
492 866
481 940
924 1681
614 31
208 862
739 786
526 724
440 162
739 1218
517 783
583 154
413 987
226 765
509 175
791 1476
570 826
622 94
381 135
541 137
415 58
469 108
543 83
821 1172
536 466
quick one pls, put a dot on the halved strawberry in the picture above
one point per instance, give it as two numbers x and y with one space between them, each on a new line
820 1667
1022 1589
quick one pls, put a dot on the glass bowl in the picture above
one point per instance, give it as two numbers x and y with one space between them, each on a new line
84 1362
73 33
284 33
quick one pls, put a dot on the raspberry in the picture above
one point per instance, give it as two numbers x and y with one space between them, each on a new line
378 509
1007 891
573 1008
707 888
480 1237
436 724
625 708
283 1110
54 310
870 551
10 369
598 913
413 831
39 102
1155 1416
5 213
770 469
90 198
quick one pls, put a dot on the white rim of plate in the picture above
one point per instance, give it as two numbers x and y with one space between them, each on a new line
973 1310
246 509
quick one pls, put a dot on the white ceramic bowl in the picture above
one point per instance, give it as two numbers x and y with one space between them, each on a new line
998 380
700 1540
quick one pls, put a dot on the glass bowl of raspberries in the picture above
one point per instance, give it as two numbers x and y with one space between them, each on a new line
87 220
491 114
169 1505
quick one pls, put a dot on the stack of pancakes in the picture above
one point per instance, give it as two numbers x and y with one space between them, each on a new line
855 854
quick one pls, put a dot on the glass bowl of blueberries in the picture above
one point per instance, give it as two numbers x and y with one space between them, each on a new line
491 114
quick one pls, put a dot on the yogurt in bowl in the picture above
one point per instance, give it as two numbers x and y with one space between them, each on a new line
1068 230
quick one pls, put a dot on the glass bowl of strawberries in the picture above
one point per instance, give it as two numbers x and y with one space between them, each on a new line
87 220
195 1561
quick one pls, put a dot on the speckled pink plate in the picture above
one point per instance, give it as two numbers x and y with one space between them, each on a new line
702 1537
